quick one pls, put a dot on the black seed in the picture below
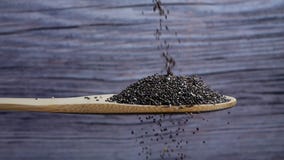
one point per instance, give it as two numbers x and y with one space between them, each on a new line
167 28
164 90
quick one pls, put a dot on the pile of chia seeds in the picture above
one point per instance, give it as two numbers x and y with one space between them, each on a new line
169 90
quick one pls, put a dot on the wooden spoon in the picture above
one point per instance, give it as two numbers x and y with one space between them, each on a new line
97 104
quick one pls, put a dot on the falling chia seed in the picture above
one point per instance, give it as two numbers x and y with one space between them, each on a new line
165 136
163 44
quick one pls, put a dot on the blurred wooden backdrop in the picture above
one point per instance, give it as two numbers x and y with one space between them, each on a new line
68 48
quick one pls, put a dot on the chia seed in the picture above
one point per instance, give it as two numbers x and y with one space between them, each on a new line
169 90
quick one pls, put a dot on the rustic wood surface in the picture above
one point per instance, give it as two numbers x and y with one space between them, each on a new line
69 48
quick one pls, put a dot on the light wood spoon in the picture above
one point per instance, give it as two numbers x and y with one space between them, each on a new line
97 104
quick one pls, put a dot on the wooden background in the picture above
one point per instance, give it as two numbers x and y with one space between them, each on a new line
68 48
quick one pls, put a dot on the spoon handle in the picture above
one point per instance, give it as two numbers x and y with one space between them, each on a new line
66 105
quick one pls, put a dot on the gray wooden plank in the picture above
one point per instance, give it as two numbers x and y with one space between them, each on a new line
74 48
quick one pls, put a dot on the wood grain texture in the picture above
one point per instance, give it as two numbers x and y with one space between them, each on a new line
75 48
